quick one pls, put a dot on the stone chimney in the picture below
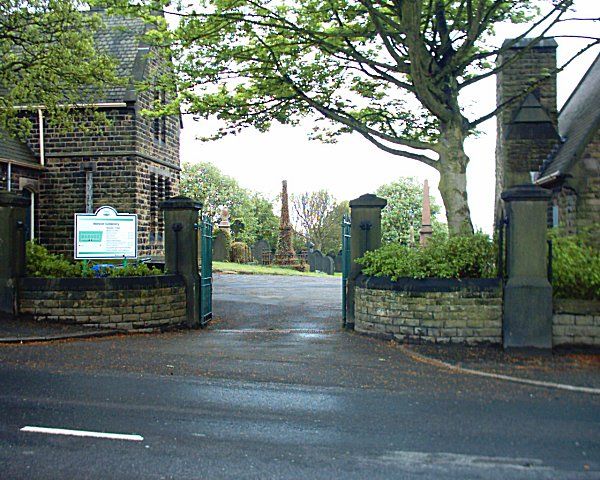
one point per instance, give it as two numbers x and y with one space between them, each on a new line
527 127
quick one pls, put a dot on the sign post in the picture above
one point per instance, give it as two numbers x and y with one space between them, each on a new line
106 235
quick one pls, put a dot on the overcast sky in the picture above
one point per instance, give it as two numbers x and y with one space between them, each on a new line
353 166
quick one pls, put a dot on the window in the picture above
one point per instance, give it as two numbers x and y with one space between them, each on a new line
30 215
153 208
160 190
159 124
4 180
156 120
161 196
163 120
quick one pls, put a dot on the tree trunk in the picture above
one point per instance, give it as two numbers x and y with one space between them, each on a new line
452 166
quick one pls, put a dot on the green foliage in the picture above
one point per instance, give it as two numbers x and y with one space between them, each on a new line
259 220
133 270
394 72
575 267
41 263
47 54
206 183
240 253
442 257
405 202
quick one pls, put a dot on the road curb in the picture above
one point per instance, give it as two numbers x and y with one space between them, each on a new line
62 336
497 376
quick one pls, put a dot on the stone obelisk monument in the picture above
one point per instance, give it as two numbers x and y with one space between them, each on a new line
426 230
285 251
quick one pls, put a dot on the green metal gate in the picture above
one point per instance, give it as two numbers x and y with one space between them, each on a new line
345 263
206 276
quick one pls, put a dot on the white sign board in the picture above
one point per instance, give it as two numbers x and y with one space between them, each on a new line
105 234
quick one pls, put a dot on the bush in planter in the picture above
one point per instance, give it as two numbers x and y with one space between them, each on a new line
442 257
139 270
575 267
41 263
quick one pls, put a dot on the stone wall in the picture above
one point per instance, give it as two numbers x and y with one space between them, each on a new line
128 303
576 322
584 183
430 310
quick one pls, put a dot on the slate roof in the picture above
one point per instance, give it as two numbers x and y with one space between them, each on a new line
13 149
578 121
120 38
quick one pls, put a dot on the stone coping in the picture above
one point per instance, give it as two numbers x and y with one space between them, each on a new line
576 306
101 283
429 284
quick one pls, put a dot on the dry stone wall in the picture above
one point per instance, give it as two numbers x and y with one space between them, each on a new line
430 310
576 322
128 303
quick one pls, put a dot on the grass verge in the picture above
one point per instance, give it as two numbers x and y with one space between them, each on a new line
249 269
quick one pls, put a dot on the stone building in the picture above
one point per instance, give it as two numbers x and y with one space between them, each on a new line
558 150
131 163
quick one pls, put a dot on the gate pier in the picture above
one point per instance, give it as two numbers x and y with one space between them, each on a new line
181 216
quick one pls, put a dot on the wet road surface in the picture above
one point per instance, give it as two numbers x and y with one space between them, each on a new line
275 389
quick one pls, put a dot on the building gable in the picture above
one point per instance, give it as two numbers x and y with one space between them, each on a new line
578 121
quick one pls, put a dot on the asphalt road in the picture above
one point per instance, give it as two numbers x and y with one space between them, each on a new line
274 389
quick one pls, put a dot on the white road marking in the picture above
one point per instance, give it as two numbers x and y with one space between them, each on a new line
83 433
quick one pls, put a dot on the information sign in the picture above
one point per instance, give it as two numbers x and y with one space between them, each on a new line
105 234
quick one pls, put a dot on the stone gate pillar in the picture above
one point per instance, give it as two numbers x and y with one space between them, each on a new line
13 208
527 318
365 215
182 217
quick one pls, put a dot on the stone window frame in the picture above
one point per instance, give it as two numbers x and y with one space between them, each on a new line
159 124
161 188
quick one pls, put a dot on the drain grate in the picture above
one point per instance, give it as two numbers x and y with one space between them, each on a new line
276 330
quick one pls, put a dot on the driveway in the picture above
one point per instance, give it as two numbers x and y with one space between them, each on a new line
274 389
277 302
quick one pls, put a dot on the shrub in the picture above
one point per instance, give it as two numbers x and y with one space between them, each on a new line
41 263
442 257
240 253
138 270
575 267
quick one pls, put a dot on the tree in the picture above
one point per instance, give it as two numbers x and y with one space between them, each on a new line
262 222
390 70
47 54
207 184
318 217
405 202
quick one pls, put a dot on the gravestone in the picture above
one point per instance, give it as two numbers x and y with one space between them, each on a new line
220 250
314 260
259 248
319 262
337 260
328 265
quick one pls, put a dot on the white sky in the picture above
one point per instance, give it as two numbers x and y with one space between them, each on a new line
353 166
